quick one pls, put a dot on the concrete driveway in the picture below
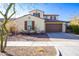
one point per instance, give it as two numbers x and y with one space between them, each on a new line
65 36
68 44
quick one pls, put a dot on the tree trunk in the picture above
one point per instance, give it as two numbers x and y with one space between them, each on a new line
4 35
2 41
5 42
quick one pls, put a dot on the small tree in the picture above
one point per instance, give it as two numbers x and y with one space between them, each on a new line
4 31
75 25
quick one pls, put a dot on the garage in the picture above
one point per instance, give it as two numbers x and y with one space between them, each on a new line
53 27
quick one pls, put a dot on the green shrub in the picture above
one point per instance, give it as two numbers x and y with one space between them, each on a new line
75 29
75 25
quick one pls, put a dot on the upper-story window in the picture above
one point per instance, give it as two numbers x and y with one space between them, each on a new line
50 17
53 17
45 17
36 14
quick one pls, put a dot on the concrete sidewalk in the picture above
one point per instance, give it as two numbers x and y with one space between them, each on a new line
31 43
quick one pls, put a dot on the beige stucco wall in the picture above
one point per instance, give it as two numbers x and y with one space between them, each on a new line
39 23
37 11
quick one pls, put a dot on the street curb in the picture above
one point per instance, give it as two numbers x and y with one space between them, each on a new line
57 52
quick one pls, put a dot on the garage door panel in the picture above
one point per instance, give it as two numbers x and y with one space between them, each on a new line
53 27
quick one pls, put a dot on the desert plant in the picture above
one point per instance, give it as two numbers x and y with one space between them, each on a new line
11 26
4 31
75 25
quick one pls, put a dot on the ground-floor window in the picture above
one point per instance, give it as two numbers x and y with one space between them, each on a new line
29 25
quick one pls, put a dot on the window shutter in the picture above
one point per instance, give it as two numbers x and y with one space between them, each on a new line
25 25
33 25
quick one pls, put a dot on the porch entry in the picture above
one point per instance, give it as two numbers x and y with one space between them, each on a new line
29 25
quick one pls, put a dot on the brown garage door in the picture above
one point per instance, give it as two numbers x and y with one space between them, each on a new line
53 27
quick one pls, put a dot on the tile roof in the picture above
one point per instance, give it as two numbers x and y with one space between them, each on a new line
51 20
51 15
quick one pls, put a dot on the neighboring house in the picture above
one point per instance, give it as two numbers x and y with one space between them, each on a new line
39 22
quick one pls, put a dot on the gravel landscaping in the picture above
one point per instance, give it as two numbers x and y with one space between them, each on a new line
30 51
31 37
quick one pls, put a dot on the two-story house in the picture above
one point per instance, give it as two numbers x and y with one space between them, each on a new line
39 22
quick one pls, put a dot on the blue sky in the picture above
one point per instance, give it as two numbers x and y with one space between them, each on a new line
66 10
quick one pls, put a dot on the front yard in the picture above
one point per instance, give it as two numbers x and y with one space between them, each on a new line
30 51
29 37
